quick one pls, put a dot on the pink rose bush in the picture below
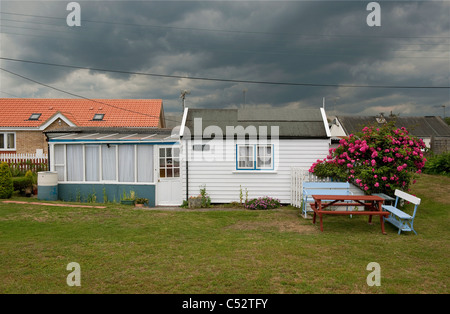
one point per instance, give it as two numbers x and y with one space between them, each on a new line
378 159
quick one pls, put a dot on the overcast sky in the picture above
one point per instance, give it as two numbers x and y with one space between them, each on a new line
300 42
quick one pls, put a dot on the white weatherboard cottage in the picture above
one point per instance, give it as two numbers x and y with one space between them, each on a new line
232 150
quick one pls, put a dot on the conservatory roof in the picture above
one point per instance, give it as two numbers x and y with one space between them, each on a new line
111 135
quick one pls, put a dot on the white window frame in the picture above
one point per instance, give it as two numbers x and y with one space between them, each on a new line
61 165
5 141
270 167
101 181
252 155
173 158
255 166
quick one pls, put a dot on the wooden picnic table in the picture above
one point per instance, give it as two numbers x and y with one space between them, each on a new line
372 206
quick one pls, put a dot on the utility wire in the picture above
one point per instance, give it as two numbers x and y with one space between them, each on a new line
9 94
83 97
258 52
277 39
253 52
223 30
225 80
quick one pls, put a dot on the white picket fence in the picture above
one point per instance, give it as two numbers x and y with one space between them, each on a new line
24 162
298 176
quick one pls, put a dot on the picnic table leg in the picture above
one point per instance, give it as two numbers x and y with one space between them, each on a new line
381 217
382 224
321 223
370 220
314 207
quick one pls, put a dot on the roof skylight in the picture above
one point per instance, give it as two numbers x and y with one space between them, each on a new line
98 117
34 116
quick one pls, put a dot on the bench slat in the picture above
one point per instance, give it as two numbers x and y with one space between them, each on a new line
326 192
408 197
398 224
326 185
397 212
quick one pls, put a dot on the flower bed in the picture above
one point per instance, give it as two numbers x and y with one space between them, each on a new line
262 203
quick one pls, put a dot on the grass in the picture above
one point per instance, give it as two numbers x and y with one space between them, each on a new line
125 250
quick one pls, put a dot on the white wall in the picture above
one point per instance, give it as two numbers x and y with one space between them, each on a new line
223 181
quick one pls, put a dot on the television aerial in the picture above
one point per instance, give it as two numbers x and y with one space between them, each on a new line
183 96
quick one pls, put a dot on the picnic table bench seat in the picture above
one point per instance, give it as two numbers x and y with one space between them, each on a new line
397 217
324 188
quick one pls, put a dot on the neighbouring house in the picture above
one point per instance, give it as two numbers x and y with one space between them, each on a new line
239 153
23 120
431 129
106 163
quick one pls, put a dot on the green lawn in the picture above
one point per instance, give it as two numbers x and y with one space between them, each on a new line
125 250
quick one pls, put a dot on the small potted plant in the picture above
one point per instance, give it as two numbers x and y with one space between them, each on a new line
141 201
128 199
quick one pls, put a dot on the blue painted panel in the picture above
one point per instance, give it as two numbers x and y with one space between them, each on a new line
47 192
73 192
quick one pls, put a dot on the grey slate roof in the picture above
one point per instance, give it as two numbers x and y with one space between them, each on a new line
173 119
305 123
419 126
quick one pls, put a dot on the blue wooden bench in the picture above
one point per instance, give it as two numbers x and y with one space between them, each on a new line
322 188
398 218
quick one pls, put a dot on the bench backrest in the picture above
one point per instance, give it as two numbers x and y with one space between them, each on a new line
326 185
327 192
326 188
407 197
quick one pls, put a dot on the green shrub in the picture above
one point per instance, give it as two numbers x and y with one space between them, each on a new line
32 175
22 183
206 200
6 184
201 201
438 164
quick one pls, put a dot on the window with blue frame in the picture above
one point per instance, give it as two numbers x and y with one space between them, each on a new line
254 157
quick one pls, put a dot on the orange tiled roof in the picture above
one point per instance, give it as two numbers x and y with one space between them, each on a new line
15 112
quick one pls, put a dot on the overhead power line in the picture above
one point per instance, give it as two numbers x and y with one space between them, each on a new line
222 79
225 30
277 39
253 52
80 96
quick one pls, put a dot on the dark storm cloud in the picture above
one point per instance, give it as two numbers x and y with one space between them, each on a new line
296 41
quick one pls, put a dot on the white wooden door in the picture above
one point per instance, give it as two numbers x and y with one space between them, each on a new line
169 181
